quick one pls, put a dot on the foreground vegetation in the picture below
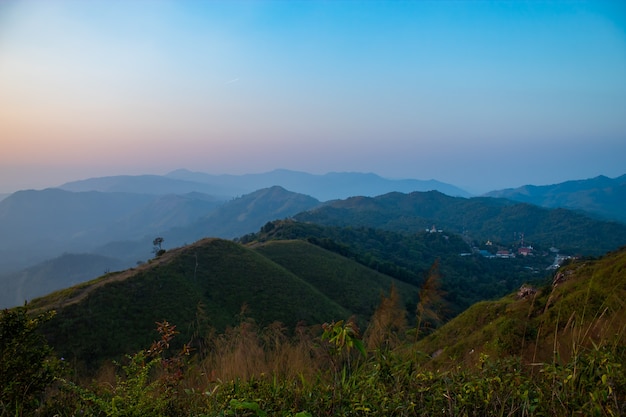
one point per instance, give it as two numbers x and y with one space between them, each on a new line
559 350
250 372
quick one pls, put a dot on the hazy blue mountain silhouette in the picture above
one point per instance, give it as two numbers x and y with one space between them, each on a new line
601 196
51 275
334 185
122 238
39 225
147 184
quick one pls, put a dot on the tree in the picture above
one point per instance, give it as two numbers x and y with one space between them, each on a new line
430 299
157 242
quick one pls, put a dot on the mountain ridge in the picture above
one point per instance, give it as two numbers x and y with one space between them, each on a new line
484 218
330 186
600 196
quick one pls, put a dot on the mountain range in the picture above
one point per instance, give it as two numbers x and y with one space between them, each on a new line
443 287
325 187
117 218
480 218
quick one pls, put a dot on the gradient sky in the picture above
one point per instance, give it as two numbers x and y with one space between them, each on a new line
483 95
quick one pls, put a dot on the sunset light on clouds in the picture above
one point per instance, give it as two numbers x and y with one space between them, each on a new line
482 95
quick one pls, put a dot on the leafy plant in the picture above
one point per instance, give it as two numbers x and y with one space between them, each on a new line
136 392
27 365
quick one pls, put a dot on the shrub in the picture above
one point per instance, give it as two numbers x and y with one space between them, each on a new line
27 366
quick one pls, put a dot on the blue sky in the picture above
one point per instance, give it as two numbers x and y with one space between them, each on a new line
483 95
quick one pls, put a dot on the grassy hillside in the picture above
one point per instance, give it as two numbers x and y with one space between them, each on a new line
583 306
211 284
347 282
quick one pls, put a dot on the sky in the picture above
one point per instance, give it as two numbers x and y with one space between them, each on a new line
480 94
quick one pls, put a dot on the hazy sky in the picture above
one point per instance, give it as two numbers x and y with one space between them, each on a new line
482 95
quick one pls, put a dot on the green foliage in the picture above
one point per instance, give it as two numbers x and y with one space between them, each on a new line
343 337
584 305
239 408
27 366
137 393
384 382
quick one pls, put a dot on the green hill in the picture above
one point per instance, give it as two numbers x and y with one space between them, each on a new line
583 306
213 283
347 282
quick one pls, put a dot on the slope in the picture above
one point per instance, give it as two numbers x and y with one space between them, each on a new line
213 283
466 277
346 282
583 306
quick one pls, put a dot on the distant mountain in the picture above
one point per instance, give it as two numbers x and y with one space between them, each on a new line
330 186
601 196
147 184
38 225
246 214
81 222
502 221
55 274
322 187
212 283
3 196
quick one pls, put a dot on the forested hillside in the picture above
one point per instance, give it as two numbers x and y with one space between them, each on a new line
480 219
466 276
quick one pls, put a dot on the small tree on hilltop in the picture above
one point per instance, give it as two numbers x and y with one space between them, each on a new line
157 242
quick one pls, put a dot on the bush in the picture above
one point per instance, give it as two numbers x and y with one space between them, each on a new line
27 367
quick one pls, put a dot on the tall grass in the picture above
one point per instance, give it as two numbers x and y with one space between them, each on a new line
252 371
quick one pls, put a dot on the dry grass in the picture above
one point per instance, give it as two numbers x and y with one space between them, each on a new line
247 352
